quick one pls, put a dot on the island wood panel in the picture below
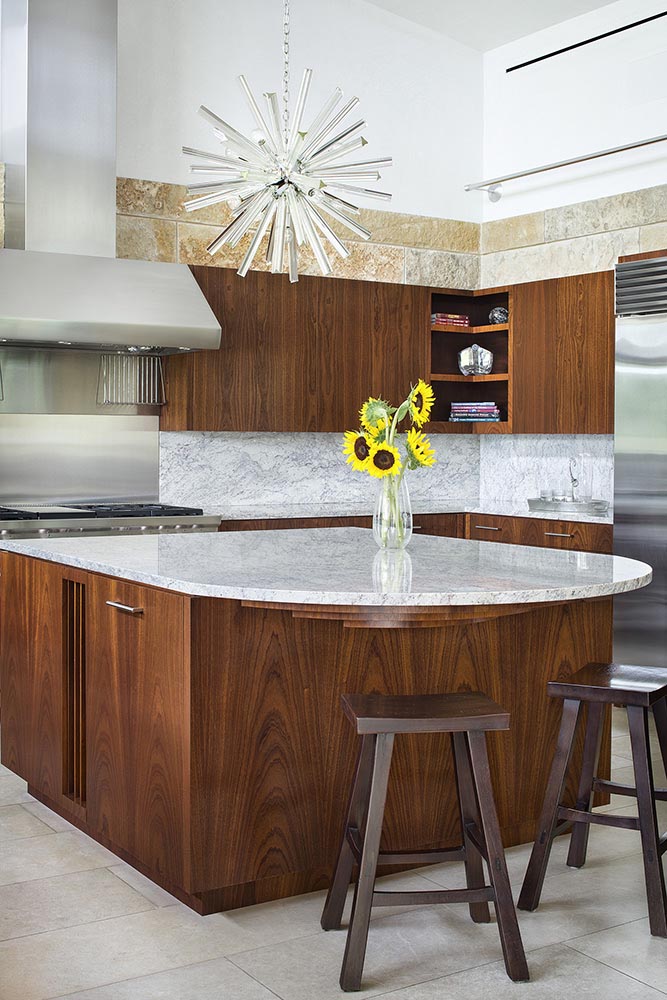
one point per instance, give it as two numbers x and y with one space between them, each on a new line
563 355
297 357
578 535
273 753
138 725
31 665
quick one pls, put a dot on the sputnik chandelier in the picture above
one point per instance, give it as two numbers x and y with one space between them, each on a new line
285 179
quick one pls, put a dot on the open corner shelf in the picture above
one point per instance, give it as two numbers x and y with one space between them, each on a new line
447 340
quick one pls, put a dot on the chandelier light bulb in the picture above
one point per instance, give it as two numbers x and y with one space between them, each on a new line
287 180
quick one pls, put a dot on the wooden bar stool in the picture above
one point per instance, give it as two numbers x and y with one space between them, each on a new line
378 718
599 684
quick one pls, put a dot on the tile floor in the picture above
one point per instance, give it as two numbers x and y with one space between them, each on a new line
76 922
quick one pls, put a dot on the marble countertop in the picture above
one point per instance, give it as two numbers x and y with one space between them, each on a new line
344 566
361 507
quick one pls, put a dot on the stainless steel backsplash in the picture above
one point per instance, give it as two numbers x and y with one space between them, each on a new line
65 457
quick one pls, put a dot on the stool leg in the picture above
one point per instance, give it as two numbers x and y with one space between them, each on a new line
576 856
531 889
357 935
356 817
469 814
660 716
508 926
648 822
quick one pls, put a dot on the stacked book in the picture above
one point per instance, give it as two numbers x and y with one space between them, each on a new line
449 319
469 412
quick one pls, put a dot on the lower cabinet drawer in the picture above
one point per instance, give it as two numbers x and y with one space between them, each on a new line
579 536
449 525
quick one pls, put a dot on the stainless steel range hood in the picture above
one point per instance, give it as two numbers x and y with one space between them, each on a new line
100 303
60 282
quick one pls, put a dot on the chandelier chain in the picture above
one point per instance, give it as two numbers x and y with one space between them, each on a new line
286 33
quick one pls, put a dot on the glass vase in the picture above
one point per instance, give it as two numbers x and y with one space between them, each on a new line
392 520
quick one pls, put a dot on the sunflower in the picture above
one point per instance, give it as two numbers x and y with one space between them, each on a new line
384 460
419 449
357 447
378 434
374 414
421 402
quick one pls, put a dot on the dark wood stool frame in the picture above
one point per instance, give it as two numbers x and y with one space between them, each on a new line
599 685
360 843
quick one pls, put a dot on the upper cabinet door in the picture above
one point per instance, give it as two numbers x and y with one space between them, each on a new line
263 377
564 355
297 357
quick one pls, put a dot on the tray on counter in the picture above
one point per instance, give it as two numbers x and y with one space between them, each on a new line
593 507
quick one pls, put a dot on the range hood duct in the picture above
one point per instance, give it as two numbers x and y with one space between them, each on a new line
61 285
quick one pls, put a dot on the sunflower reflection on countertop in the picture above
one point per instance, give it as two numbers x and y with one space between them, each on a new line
374 449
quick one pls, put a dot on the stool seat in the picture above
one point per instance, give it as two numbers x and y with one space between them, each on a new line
618 683
465 711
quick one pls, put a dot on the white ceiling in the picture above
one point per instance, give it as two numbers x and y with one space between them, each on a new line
486 24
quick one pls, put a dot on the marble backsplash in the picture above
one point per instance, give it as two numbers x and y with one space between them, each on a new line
213 470
514 467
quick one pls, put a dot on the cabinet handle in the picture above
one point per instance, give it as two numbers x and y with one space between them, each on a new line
416 527
487 527
125 607
557 534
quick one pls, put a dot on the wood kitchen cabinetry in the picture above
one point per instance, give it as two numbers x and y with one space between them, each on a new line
297 357
137 683
564 355
577 535
303 356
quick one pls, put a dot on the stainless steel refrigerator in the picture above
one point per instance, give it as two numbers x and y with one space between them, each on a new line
640 470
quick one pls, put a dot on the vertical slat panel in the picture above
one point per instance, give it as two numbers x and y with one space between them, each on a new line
74 688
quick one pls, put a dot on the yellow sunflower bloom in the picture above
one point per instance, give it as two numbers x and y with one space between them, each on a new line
357 447
384 460
374 413
420 452
421 403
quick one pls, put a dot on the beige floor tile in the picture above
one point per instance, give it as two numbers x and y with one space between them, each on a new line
555 972
60 962
402 949
16 824
586 900
44 857
13 789
605 843
630 949
215 980
149 890
49 817
50 903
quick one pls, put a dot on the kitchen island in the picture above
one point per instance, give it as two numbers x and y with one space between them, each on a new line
178 697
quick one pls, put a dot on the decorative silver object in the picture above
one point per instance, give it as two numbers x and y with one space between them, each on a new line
498 314
475 360
284 179
596 508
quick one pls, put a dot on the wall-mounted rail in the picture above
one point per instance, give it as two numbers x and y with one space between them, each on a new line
492 186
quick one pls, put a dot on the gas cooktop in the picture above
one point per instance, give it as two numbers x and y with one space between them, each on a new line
40 512
28 520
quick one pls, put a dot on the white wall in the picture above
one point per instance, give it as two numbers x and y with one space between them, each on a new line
605 94
421 93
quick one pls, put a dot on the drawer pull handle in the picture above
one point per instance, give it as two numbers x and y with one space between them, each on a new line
125 607
557 534
416 527
487 527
